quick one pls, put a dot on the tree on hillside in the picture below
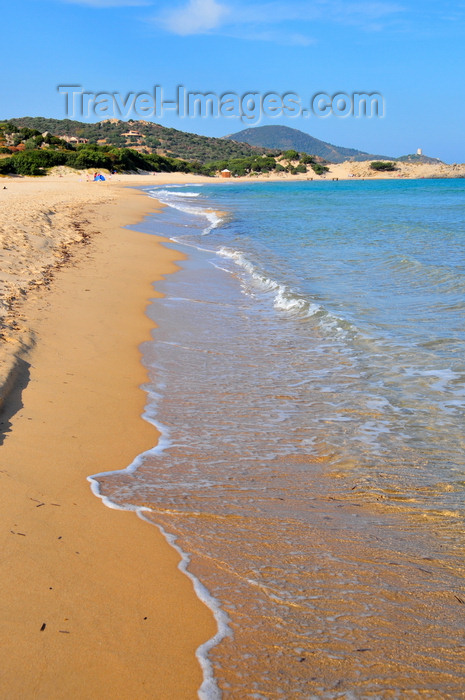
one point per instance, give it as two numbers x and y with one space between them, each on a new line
291 155
307 159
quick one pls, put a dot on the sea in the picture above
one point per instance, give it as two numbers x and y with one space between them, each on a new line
307 376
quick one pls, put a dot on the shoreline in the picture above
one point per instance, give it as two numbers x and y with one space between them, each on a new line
84 354
92 605
212 523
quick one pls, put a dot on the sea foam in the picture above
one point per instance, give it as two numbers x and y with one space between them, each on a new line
284 298
209 689
176 200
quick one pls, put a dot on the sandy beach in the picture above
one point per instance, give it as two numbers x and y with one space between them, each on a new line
350 170
93 604
232 344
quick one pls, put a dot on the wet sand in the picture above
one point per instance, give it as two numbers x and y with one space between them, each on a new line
92 602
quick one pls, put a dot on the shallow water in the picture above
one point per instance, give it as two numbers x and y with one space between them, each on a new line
308 376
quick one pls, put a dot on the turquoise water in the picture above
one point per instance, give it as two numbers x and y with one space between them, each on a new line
376 272
307 373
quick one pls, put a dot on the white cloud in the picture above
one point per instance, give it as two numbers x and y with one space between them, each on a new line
197 17
284 21
252 19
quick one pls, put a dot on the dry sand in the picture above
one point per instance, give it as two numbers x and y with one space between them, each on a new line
347 170
350 170
92 603
42 222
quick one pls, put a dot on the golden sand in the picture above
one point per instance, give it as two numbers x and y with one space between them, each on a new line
92 604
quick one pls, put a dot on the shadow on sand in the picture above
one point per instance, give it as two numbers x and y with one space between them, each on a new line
12 402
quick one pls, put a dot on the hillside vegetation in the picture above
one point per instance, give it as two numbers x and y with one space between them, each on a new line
142 136
28 151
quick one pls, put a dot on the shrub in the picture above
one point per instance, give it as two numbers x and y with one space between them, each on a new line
382 165
9 128
88 158
25 166
128 159
291 155
319 169
35 162
306 159
159 164
152 141
6 166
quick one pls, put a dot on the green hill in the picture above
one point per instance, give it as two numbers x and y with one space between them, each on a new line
147 137
283 138
415 158
28 151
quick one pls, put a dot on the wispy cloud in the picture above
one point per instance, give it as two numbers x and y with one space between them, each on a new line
254 19
288 22
197 17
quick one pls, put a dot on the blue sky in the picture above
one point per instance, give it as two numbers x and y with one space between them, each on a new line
412 53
